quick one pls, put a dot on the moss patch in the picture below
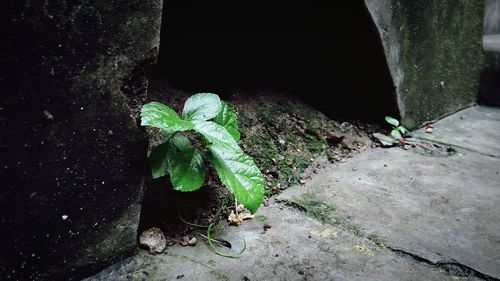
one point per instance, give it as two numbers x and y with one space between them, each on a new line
320 210
285 136
327 213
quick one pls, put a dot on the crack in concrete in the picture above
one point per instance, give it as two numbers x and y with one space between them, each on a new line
452 267
455 146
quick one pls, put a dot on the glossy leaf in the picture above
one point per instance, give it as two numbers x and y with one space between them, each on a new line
392 121
216 134
201 107
185 165
158 115
236 170
396 134
158 160
403 130
227 118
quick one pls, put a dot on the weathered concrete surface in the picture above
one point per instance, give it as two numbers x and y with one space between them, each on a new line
72 79
434 53
434 208
385 214
442 209
491 17
476 129
297 247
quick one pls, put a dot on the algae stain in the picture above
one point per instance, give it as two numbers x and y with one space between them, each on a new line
320 210
219 275
327 214
261 218
364 250
325 233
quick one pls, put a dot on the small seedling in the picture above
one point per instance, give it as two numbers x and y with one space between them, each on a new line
397 133
216 122
398 130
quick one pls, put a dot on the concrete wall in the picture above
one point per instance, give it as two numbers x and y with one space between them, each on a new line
433 48
492 17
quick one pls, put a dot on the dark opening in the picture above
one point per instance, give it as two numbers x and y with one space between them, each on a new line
328 54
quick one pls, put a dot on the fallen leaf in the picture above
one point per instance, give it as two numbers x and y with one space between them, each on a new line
240 208
233 219
243 214
192 241
184 241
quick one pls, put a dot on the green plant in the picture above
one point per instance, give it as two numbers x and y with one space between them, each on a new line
216 122
398 130
397 133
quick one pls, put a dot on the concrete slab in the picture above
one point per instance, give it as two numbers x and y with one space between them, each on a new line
297 247
441 209
476 129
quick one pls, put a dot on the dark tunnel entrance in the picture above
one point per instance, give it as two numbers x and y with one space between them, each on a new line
328 54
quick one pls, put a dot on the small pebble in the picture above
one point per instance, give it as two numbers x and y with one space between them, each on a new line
267 226
154 240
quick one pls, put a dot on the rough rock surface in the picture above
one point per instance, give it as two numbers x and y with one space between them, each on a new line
434 53
72 80
153 239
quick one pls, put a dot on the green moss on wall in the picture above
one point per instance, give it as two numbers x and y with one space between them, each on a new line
441 56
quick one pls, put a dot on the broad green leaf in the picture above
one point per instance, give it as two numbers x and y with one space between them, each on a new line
392 121
185 165
236 170
385 140
240 175
158 115
227 118
182 142
201 107
396 134
403 130
158 160
215 134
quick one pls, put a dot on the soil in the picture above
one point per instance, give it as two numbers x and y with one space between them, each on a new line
288 139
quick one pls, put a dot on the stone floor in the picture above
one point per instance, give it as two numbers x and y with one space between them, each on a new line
385 214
